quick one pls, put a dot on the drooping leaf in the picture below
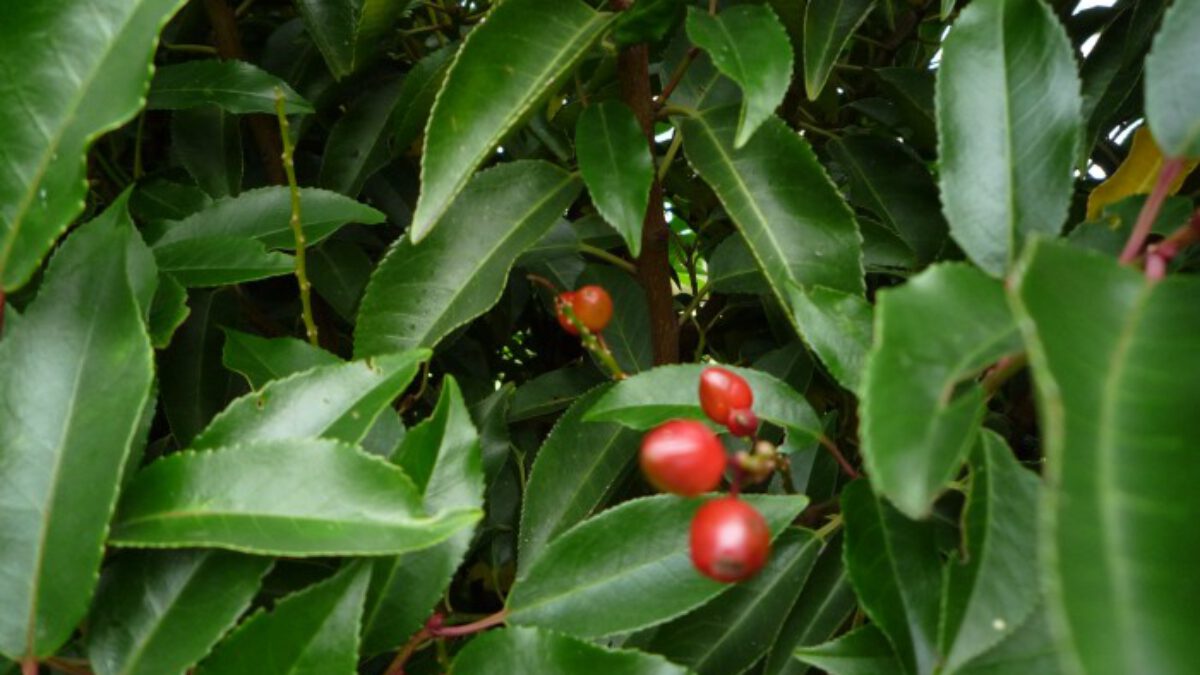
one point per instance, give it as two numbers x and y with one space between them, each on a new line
749 45
312 631
551 392
208 142
1172 106
921 409
264 214
732 268
349 33
1008 127
161 611
219 261
991 589
235 86
421 86
358 144
864 651
75 375
295 497
530 650
491 87
838 326
339 401
69 72
1032 648
442 455
730 633
625 569
1136 175
671 392
895 570
616 167
261 360
566 485
422 292
168 311
828 25
1117 412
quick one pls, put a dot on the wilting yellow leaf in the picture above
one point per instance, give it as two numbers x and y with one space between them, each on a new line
1135 176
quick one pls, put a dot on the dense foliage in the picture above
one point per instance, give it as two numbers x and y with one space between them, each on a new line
332 329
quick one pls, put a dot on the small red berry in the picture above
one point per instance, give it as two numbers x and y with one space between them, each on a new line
564 299
743 422
722 392
684 457
593 307
730 540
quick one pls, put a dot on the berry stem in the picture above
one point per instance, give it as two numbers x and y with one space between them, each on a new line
469 628
434 629
614 260
1171 170
1160 255
841 459
543 282
289 167
835 523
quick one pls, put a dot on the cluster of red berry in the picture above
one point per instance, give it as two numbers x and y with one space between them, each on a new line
591 305
730 539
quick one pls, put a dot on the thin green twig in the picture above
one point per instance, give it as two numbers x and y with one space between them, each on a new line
289 167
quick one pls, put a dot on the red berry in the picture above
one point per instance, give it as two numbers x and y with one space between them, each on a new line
722 392
730 540
593 307
743 422
684 457
564 299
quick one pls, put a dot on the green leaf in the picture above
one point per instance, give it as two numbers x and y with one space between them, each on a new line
168 311
921 407
70 73
863 651
491 87
75 375
1030 649
991 587
530 650
420 89
671 392
895 569
296 497
422 292
350 33
236 86
338 401
208 142
357 145
627 568
838 326
312 631
1172 106
162 611
1008 128
264 214
565 485
912 92
647 21
442 454
628 334
220 261
551 392
828 25
1109 232
156 199
730 634
888 180
1117 409
261 359
749 45
733 269
615 162
339 272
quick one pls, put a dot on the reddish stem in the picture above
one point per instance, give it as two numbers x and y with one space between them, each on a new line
469 628
841 459
1162 188
29 667
676 77
434 628
1161 254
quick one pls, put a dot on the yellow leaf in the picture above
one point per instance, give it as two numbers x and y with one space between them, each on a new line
1135 176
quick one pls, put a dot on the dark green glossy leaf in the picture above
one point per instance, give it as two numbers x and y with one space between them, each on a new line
168 311
235 86
1109 232
838 326
1030 649
491 87
264 214
647 21
1008 127
566 485
75 375
828 25
1110 351
625 569
293 497
823 607
261 360
1172 97
161 611
730 634
670 392
884 251
864 651
911 90
529 650
442 454
339 272
312 631
158 199
357 145
921 408
733 269
338 401
220 261
70 72
422 292
790 364
1112 73
895 569
749 45
553 391
616 166
349 33
628 333
208 142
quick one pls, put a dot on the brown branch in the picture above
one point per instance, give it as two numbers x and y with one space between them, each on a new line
262 127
